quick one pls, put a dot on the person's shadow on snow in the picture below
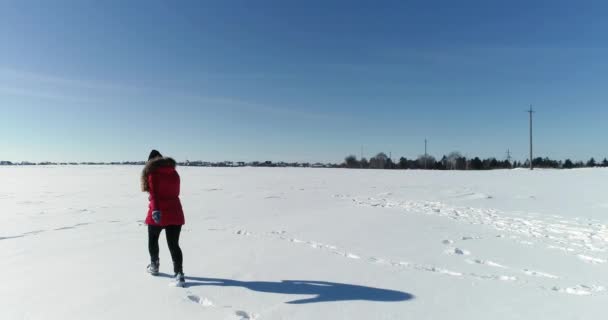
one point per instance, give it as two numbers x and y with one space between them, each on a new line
323 291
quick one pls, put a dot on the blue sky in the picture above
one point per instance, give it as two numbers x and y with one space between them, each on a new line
300 80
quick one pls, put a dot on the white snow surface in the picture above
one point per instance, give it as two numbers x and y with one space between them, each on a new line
287 243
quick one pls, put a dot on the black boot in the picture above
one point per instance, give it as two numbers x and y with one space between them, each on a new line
153 267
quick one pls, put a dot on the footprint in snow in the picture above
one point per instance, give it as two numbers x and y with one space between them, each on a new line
458 251
243 233
202 301
244 315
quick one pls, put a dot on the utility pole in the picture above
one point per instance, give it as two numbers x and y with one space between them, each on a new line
531 149
509 158
425 154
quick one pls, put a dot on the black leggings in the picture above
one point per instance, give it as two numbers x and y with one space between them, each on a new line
172 234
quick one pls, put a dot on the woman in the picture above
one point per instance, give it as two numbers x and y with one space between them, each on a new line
160 179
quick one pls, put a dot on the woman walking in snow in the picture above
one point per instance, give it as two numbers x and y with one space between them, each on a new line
160 179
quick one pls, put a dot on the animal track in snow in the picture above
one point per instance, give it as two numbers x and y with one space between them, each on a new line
283 235
378 260
385 194
352 256
580 290
577 237
347 255
539 274
494 277
564 249
401 264
592 260
28 202
474 196
485 263
441 271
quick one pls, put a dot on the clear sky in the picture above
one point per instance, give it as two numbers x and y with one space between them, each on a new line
301 80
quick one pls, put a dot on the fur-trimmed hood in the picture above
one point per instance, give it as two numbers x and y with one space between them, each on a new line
151 166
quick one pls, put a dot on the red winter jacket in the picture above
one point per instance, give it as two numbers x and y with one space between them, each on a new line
161 180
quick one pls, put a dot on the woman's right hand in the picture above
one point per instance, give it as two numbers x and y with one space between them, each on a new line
156 216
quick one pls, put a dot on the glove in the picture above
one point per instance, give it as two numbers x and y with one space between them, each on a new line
156 216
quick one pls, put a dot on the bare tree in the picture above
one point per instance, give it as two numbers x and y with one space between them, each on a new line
426 161
452 160
379 161
351 162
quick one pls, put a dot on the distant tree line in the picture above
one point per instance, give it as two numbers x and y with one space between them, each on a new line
48 163
456 161
452 161
185 163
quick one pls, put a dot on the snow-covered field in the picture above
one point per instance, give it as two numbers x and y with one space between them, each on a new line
308 244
